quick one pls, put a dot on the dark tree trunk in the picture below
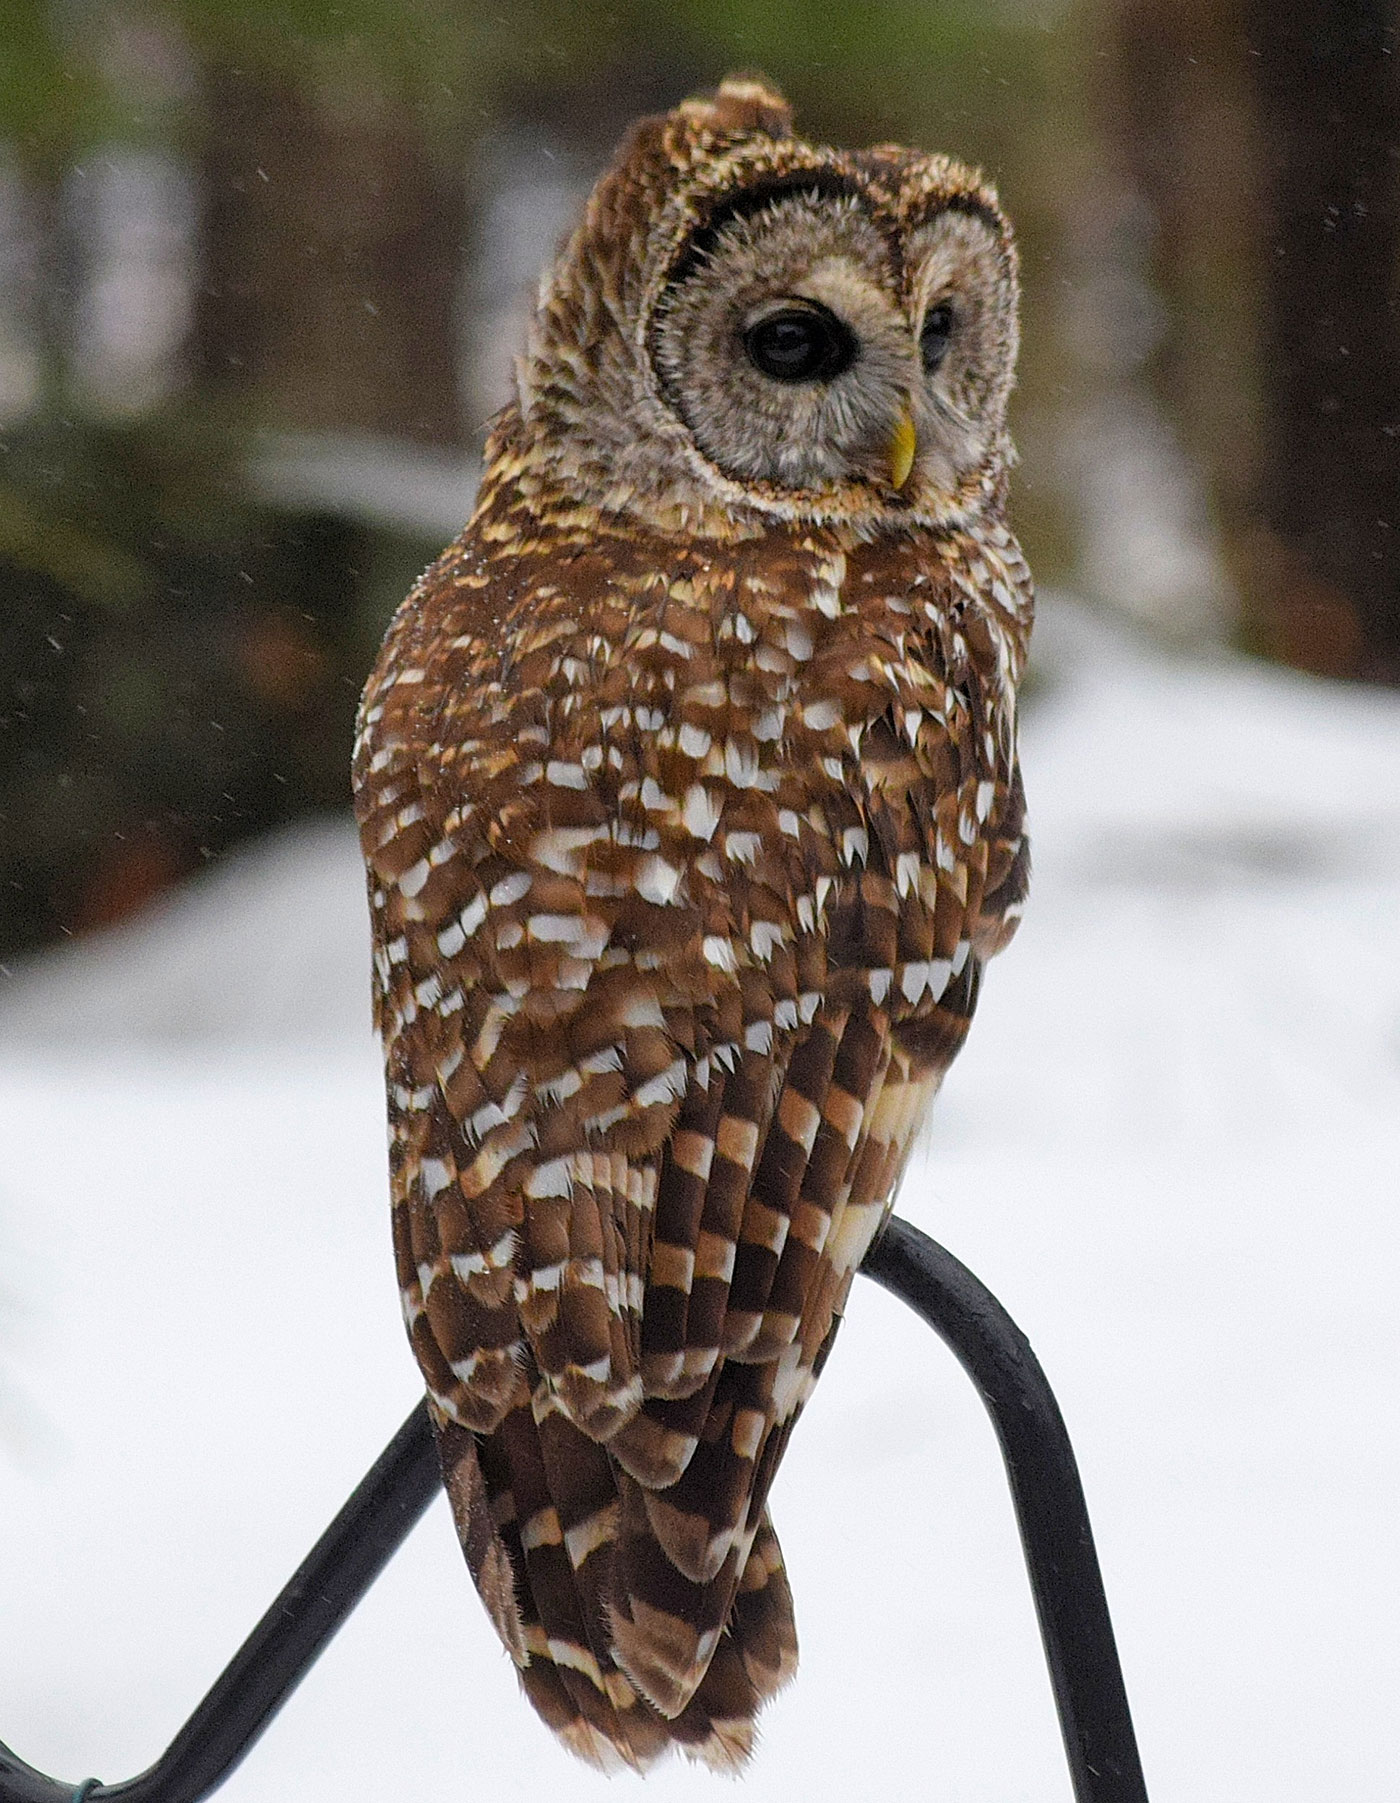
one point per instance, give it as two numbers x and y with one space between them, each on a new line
333 252
1327 95
1178 104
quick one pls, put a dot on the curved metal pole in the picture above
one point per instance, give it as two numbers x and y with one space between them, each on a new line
276 1656
1085 1672
354 1549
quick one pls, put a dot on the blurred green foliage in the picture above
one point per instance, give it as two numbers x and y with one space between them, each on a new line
977 75
180 662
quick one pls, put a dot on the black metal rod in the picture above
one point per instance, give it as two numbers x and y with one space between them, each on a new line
286 1643
1085 1672
1054 1524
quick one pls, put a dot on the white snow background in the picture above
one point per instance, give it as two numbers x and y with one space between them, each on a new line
1172 1147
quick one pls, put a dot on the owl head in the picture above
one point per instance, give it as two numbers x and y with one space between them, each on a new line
746 327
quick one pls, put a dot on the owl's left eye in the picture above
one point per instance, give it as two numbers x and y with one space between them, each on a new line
933 340
802 343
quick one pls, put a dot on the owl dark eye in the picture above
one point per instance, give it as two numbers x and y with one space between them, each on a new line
933 340
804 343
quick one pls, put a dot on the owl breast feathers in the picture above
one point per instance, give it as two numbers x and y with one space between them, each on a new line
687 785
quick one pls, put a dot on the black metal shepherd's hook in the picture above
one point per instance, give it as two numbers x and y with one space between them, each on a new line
1054 1524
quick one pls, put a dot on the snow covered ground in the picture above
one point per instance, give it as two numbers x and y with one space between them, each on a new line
1172 1147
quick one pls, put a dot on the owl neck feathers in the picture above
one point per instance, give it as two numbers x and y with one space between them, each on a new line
523 510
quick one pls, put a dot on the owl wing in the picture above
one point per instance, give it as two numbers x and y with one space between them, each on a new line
530 1079
786 1176
546 1086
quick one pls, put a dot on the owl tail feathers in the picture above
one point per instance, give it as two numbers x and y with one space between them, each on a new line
710 1683
709 1694
571 1641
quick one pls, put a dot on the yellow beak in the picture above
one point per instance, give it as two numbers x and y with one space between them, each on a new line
903 444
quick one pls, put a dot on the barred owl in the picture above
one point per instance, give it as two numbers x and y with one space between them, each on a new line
687 785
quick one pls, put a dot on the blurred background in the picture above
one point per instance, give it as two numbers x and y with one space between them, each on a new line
263 265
